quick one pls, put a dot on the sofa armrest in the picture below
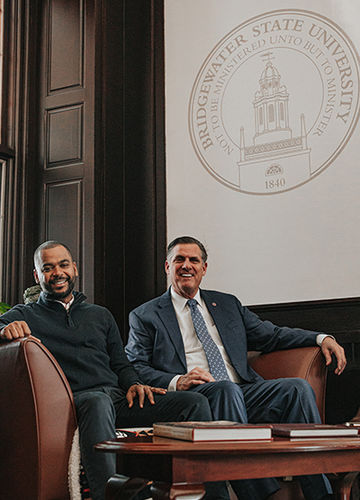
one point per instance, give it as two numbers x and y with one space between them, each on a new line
38 422
304 362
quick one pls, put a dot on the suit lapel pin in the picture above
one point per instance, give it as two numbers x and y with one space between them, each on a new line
213 304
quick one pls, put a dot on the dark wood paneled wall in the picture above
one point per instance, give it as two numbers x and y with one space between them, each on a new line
66 162
131 223
336 316
340 318
100 166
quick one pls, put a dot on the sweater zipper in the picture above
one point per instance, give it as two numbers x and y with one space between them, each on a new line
69 320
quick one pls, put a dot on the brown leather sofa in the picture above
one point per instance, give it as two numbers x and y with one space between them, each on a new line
37 415
306 362
37 421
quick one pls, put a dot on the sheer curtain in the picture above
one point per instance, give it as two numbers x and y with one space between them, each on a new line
2 162
2 220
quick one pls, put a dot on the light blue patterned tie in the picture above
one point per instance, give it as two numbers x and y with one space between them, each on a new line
215 360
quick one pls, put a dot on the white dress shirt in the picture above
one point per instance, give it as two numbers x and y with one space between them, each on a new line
194 352
66 305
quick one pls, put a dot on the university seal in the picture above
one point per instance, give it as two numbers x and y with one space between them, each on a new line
275 102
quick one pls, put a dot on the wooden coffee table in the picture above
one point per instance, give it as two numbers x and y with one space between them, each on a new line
180 467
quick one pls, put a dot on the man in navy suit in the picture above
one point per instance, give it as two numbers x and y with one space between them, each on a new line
165 348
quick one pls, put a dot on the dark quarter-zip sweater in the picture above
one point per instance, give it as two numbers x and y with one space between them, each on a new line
84 340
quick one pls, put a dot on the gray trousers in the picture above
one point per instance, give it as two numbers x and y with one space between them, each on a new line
283 400
100 410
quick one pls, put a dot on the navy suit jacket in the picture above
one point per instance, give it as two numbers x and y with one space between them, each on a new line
156 348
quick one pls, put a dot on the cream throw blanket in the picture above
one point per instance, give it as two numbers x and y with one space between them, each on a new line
74 468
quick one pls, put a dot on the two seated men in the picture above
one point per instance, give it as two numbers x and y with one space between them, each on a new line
188 353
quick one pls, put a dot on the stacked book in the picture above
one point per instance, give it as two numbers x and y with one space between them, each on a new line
313 431
223 430
217 430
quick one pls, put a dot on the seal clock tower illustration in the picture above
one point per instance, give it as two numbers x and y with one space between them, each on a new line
276 158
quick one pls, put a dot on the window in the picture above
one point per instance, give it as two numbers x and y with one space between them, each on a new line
7 64
282 115
261 120
2 162
1 55
2 218
271 113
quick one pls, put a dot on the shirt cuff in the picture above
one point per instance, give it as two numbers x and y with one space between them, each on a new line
173 382
320 337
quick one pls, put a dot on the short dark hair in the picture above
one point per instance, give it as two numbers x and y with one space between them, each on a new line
46 245
187 240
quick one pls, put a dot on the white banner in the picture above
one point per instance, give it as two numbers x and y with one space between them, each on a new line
262 143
